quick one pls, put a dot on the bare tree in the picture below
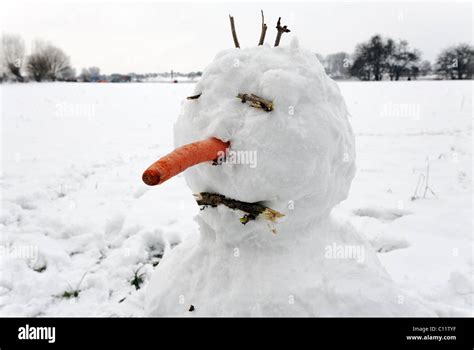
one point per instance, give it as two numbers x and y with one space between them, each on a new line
85 75
370 58
456 62
12 55
38 66
338 65
425 68
401 59
90 74
69 74
3 74
95 73
59 62
48 62
379 56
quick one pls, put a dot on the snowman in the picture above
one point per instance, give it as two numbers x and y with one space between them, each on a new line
268 152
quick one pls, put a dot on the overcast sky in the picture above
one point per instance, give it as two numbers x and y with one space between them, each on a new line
155 36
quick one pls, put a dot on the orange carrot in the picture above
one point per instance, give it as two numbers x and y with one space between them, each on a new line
182 158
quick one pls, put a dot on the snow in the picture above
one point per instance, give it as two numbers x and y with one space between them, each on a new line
74 208
72 192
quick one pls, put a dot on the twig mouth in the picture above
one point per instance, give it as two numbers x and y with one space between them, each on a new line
251 210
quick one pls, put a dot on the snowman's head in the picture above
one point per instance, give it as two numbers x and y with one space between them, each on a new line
300 152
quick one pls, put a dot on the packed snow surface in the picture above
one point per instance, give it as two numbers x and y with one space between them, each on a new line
76 217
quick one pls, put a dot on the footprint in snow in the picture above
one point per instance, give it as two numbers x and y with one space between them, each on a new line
386 242
382 214
141 191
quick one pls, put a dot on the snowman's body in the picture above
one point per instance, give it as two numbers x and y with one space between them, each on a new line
302 163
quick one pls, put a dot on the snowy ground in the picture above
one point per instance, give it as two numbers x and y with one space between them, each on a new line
80 232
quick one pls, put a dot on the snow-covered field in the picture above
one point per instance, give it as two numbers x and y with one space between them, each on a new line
80 232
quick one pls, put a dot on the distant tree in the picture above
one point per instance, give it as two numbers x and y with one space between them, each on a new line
90 74
3 69
48 62
59 62
360 67
38 66
456 62
401 59
425 68
69 74
194 75
95 73
12 55
370 58
413 72
3 73
379 56
85 75
338 65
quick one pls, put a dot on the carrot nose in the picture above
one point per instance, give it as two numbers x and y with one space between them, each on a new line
182 158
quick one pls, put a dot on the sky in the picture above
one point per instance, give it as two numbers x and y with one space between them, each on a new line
150 36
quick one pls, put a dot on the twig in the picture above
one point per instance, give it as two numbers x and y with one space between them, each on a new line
234 34
264 31
256 101
194 97
427 187
252 210
423 180
82 279
281 30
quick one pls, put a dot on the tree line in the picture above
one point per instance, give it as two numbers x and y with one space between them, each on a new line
384 58
376 59
45 62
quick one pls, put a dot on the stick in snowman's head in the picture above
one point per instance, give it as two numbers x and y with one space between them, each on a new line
298 129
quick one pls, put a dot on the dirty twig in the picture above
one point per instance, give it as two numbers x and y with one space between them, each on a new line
264 31
251 210
234 33
256 101
281 30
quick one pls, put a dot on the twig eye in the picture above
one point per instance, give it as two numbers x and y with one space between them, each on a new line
256 101
194 97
